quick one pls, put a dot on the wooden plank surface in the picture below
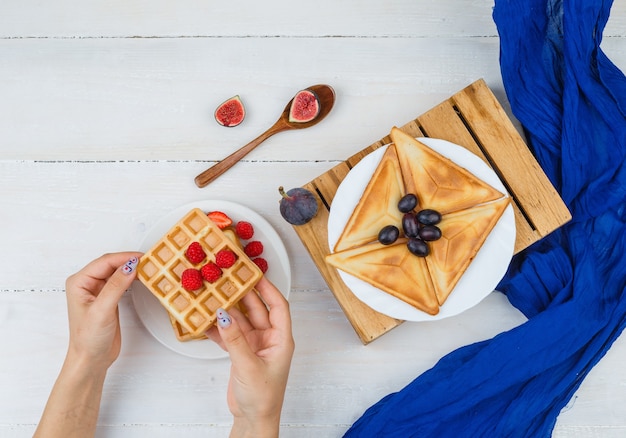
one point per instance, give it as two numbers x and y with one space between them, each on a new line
106 117
471 118
538 203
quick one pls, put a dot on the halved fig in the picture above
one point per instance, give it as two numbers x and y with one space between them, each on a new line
231 112
304 107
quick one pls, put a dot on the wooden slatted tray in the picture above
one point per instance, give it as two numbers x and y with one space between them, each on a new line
474 119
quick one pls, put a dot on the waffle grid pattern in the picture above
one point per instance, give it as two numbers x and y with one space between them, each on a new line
161 267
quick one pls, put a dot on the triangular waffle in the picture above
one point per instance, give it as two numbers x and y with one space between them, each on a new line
469 206
378 205
463 234
391 268
439 183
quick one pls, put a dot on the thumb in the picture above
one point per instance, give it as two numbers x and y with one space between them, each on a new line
118 282
234 340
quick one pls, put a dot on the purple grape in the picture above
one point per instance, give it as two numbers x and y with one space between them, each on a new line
410 226
430 232
388 234
407 203
418 247
429 217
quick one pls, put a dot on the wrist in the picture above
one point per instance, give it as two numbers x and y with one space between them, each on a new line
82 367
266 427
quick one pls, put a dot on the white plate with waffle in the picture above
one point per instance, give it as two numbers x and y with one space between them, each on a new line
483 273
156 318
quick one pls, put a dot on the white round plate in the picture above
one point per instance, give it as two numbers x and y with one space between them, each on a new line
154 316
482 275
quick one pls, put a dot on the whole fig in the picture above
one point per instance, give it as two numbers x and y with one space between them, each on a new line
297 206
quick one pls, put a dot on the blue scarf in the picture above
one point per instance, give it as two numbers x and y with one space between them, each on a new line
570 100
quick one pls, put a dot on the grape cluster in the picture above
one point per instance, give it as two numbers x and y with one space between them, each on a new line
418 227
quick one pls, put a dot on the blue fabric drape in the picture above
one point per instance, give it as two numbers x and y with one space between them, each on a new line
570 100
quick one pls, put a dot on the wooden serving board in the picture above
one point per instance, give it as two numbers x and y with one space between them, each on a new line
471 118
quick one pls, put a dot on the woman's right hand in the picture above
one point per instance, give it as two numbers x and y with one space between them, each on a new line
260 345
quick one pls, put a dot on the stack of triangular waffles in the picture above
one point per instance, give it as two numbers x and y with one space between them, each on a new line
470 208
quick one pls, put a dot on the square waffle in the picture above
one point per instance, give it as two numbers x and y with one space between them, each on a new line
161 267
183 335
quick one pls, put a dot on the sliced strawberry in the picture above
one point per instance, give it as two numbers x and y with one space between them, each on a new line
221 219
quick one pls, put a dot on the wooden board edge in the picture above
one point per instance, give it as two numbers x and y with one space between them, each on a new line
367 323
538 200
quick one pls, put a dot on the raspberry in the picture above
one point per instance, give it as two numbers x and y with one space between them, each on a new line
221 219
211 272
253 249
225 258
244 230
261 263
191 279
195 254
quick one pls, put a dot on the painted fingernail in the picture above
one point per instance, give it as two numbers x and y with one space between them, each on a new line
130 265
223 318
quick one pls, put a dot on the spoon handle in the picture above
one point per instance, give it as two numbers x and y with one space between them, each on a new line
219 168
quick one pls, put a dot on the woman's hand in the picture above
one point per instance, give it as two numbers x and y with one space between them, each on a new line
260 344
92 297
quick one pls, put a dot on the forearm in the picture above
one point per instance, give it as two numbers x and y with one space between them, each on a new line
74 403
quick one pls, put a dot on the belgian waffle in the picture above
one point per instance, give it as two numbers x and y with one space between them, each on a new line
161 267
183 335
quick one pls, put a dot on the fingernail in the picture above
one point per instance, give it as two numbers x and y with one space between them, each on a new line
130 265
223 318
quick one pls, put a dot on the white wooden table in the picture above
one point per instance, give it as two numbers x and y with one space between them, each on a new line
106 117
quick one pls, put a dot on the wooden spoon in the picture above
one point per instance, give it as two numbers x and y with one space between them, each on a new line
326 96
